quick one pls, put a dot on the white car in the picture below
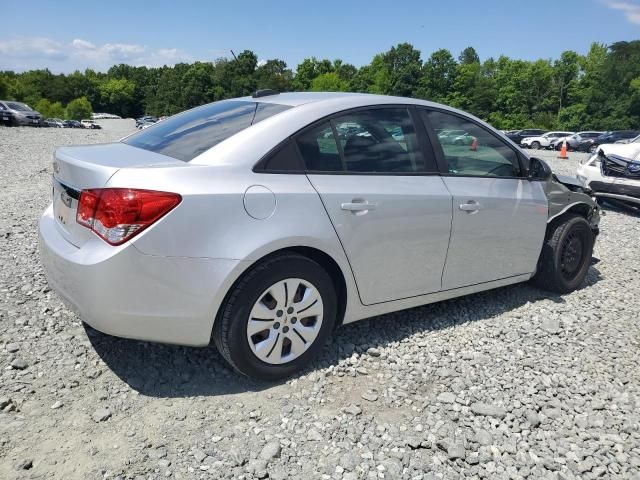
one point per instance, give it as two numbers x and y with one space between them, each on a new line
613 173
89 124
543 141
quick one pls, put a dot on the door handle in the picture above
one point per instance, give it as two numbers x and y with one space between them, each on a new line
358 206
471 206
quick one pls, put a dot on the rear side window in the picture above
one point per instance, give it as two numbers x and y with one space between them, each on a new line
477 152
284 159
187 135
368 141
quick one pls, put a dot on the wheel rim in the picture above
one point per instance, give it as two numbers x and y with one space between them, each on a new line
571 255
285 321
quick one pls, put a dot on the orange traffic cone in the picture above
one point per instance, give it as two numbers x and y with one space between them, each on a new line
563 151
474 145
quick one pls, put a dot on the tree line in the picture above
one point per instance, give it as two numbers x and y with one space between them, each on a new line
599 90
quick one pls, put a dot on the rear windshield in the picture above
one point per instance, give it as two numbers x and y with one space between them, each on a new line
187 135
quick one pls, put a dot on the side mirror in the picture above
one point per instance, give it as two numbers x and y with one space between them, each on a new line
539 169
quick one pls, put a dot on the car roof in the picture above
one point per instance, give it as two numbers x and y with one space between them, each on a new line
308 107
294 99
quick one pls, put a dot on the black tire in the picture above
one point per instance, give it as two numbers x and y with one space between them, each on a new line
535 145
229 331
566 255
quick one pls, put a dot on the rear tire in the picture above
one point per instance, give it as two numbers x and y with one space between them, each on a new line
242 349
566 255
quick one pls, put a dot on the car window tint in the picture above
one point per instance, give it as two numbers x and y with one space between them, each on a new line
379 141
477 152
319 149
187 135
284 159
266 110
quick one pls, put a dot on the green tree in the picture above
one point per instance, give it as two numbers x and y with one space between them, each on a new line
403 66
4 88
50 110
79 109
439 76
328 82
275 75
117 96
468 55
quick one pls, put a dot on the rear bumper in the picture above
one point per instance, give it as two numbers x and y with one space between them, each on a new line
121 291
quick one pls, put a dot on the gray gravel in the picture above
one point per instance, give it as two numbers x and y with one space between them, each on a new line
509 384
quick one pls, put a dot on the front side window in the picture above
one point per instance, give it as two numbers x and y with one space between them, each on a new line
476 153
370 141
187 135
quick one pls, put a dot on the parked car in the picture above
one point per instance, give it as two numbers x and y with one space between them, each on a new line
21 113
628 140
574 140
100 116
90 124
53 123
146 120
6 116
518 135
251 222
613 174
73 124
592 144
543 141
448 136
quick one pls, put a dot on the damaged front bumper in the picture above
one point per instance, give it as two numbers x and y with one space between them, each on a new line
624 172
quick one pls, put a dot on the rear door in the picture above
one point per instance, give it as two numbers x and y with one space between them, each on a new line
386 201
499 218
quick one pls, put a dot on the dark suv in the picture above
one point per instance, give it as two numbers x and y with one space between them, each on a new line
591 144
518 135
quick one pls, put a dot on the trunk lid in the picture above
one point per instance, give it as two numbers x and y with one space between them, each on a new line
91 166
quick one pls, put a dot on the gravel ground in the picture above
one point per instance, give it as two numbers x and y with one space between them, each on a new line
509 384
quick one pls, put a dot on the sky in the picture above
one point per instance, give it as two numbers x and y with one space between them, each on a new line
67 35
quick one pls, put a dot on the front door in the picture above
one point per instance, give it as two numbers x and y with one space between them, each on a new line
499 218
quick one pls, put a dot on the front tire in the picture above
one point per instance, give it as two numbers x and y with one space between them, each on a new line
277 317
535 145
566 255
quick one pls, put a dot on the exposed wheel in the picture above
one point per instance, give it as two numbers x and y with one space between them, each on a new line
593 148
535 145
277 317
566 255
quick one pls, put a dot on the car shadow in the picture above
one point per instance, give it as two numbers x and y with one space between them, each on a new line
170 371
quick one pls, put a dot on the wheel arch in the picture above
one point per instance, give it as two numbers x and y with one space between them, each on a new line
577 208
325 260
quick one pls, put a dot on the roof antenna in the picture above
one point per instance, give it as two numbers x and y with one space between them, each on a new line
234 55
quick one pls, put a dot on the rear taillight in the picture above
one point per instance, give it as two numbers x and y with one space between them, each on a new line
118 214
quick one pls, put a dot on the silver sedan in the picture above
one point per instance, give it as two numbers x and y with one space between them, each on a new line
265 222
